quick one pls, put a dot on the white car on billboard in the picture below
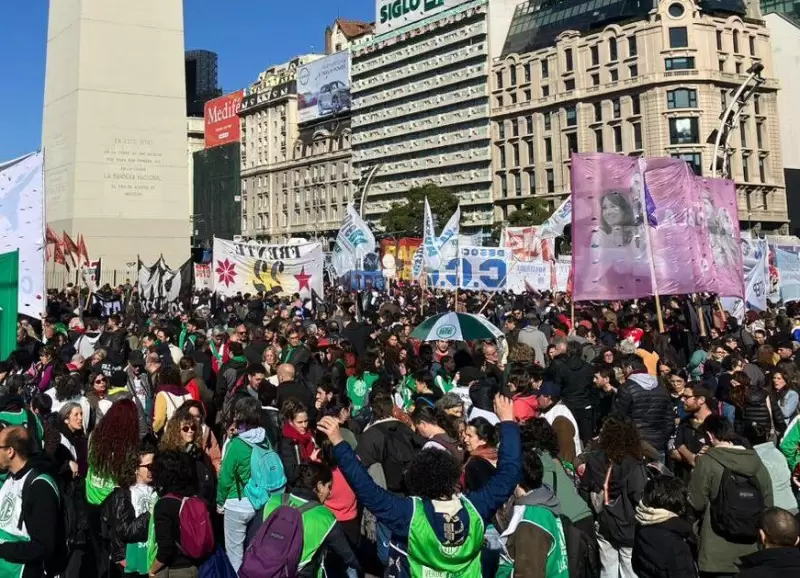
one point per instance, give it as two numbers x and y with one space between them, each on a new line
333 98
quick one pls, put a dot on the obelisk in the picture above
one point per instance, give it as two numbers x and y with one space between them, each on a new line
114 129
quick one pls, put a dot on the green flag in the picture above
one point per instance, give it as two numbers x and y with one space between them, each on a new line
9 302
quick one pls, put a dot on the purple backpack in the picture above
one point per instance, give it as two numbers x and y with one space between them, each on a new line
197 534
277 547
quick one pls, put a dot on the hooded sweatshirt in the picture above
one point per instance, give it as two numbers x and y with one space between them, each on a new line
716 553
235 471
86 343
663 545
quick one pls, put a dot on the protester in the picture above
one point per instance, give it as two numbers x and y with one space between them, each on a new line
778 538
169 396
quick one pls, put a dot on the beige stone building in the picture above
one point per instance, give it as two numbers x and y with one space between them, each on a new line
652 86
195 135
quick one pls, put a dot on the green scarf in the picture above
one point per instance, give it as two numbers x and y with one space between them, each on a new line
240 358
182 336
214 351
286 353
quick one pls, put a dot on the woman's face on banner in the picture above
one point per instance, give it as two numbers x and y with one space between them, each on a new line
612 212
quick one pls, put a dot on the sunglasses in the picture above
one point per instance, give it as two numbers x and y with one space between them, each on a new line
100 381
189 428
688 396
148 467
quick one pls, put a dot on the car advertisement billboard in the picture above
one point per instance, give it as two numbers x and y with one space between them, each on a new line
323 87
395 14
222 119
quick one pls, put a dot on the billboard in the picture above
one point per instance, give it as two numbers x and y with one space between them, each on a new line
222 119
395 14
323 87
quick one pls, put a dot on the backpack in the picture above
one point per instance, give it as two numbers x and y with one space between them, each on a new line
218 566
582 552
277 548
267 476
618 516
398 453
197 534
738 507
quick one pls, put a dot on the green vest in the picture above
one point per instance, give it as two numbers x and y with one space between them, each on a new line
358 390
97 488
428 558
317 524
557 565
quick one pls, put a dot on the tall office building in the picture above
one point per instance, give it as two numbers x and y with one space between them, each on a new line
643 79
114 129
789 8
421 102
201 80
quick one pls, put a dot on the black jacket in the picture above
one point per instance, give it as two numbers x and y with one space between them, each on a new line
575 378
783 562
649 405
254 351
756 410
664 550
116 345
298 391
229 374
126 528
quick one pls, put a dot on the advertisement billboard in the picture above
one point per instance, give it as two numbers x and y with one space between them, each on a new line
395 14
323 87
222 119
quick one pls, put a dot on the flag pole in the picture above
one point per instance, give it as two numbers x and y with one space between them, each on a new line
646 225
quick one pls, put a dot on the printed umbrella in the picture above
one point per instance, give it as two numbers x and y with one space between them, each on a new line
456 327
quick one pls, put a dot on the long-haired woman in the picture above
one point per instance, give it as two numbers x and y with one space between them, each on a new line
784 384
755 405
183 433
296 445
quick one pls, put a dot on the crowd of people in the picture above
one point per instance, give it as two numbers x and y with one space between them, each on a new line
265 436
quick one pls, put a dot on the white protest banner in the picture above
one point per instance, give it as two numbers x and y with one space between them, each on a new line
272 269
202 277
532 276
483 268
354 242
526 244
563 271
756 273
22 227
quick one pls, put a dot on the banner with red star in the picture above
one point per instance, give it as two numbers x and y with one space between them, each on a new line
275 269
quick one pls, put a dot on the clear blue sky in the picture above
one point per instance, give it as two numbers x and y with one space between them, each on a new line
248 35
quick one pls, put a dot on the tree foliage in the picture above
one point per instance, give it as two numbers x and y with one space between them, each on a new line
534 212
406 218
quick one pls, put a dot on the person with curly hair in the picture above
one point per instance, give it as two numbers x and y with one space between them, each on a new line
615 471
184 433
437 518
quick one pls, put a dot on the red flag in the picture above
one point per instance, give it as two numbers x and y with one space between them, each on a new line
58 255
52 237
83 253
47 252
71 249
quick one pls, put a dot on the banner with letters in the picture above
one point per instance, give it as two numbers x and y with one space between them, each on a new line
354 243
483 268
787 260
270 269
534 276
526 244
202 277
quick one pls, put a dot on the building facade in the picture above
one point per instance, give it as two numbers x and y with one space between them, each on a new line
217 197
653 85
201 80
421 107
195 136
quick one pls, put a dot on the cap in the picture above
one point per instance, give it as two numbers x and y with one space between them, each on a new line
549 389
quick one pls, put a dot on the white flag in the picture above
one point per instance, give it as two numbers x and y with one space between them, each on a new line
554 226
354 242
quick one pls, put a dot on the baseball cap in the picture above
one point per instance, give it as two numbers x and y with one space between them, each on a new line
549 389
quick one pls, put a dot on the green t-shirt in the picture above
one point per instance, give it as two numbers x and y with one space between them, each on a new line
358 389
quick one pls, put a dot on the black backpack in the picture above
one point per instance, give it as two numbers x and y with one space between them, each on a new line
582 552
738 507
398 453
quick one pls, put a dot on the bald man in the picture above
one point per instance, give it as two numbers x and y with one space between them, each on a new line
779 535
29 509
289 388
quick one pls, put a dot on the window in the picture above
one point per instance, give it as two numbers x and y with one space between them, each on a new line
529 125
757 103
723 98
551 185
719 40
568 59
499 78
682 98
531 183
679 63
738 67
612 49
694 160
613 74
513 72
548 121
569 85
676 10
572 116
527 94
513 97
515 127
527 71
752 41
515 152
501 130
760 134
634 70
548 150
598 111
684 131
678 37
746 168
545 91
501 150
504 186
743 134
722 65
637 136
545 69
499 101
636 104
594 51
595 79
517 185
632 48
572 142
598 140
762 169
531 158
736 42
618 139
616 107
